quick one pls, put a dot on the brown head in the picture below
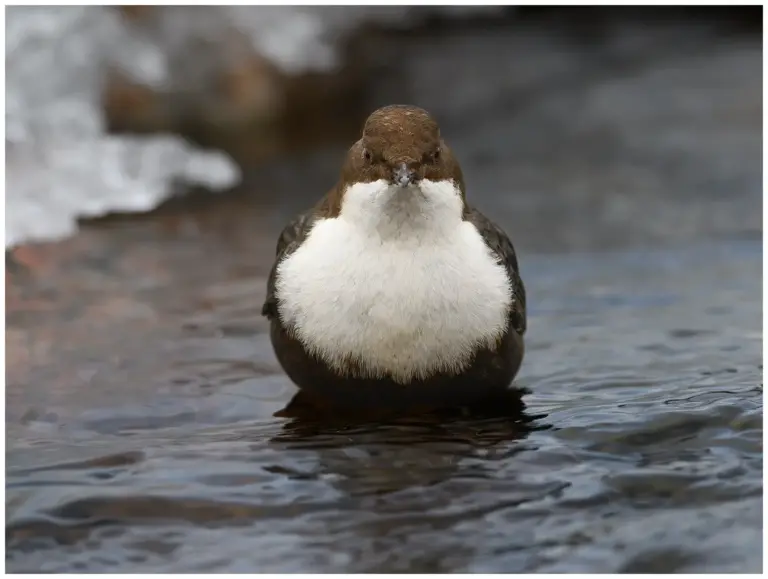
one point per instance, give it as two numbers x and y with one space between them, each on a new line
400 144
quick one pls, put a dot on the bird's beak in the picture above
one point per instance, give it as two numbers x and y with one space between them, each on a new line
403 176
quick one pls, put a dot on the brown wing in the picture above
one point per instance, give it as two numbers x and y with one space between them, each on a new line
290 239
497 240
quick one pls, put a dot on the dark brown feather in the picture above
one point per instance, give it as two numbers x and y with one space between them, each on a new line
498 241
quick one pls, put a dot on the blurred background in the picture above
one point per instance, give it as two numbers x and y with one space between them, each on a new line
153 154
636 124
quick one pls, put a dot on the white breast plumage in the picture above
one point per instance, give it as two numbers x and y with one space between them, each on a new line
397 283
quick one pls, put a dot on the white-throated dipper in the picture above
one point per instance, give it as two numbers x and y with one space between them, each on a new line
392 285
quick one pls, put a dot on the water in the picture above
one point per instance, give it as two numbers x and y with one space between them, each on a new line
141 435
146 428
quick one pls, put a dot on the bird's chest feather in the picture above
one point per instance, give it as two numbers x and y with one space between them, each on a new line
401 305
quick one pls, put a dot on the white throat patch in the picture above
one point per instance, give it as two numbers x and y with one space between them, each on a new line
398 284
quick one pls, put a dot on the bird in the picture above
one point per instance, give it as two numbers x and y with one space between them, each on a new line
393 287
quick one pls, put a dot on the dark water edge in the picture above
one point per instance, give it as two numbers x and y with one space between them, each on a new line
141 391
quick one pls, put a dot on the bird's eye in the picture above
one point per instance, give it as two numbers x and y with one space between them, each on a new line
367 155
432 157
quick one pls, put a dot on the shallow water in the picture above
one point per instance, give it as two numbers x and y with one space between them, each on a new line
638 447
141 388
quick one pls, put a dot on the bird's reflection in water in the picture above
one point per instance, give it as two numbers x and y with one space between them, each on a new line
400 475
311 414
375 451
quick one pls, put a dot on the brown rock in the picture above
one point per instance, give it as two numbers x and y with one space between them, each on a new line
131 107
250 91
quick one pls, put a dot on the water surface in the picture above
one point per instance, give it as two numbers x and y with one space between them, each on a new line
637 447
